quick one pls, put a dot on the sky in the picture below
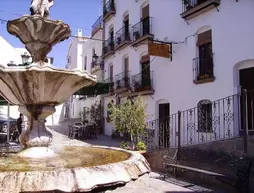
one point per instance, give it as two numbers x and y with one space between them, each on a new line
79 14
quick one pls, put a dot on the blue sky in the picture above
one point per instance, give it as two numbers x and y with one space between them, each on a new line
77 13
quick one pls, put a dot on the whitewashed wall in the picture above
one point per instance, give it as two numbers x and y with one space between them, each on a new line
232 38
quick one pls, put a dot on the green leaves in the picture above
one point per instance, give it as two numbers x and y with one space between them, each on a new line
130 116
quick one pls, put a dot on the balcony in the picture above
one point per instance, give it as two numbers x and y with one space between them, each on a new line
143 83
142 31
193 8
108 48
111 86
122 38
109 10
122 82
203 71
97 65
97 25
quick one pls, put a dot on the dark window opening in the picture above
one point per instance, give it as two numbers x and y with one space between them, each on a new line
146 80
205 116
145 20
126 28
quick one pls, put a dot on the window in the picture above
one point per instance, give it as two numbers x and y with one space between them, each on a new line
85 63
111 34
204 62
205 116
69 59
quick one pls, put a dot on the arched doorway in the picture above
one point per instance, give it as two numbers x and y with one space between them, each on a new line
244 81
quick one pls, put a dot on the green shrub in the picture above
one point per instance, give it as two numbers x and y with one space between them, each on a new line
140 146
124 145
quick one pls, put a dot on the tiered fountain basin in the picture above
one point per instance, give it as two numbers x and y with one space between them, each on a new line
72 169
37 89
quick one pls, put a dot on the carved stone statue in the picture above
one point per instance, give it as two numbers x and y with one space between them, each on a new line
41 7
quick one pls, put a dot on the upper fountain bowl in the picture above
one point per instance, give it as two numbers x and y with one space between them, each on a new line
39 34
41 85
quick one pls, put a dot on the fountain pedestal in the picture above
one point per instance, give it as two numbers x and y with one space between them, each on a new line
36 137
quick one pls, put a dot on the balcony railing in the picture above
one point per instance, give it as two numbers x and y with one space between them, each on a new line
122 80
142 81
122 35
192 8
203 68
142 29
109 8
108 46
208 121
97 25
111 84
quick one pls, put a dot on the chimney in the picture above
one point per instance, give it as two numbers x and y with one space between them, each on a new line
79 33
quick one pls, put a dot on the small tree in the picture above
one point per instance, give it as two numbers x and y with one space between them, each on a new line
129 117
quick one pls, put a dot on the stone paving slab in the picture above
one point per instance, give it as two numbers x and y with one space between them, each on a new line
149 184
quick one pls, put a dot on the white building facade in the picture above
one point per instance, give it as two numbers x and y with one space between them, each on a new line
84 54
14 56
210 46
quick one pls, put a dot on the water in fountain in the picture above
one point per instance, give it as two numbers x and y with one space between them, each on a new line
37 89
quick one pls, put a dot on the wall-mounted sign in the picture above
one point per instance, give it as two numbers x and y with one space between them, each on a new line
160 49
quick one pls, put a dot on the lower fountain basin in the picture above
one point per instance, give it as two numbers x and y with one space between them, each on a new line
72 169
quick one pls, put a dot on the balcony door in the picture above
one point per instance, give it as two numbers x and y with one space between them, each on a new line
145 74
126 71
145 21
164 123
246 77
126 28
111 72
205 55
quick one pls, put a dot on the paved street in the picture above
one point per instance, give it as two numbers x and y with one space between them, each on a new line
149 183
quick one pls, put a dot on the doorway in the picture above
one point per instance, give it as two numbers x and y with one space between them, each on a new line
145 72
164 125
246 77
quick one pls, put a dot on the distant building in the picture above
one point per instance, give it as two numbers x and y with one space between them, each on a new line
14 56
85 54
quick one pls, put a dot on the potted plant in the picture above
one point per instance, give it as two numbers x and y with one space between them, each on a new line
111 45
187 4
118 84
105 49
136 34
118 40
141 147
136 86
126 81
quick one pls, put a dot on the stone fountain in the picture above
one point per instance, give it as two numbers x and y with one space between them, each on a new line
37 89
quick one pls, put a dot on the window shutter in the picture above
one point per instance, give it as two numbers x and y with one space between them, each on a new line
204 38
145 12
